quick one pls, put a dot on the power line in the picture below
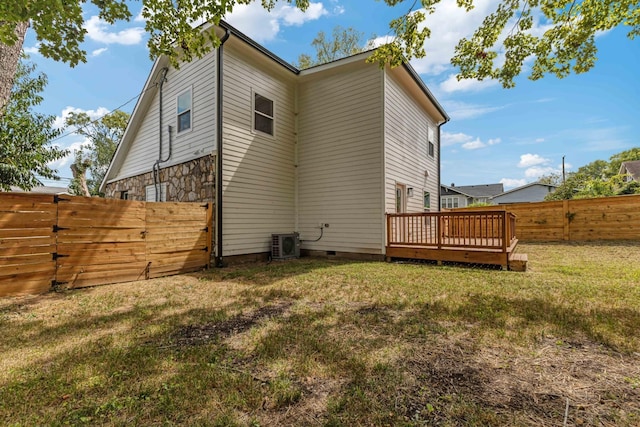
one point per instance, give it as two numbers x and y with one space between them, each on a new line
64 135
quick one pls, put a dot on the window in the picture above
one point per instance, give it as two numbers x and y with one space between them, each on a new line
401 201
427 200
262 114
124 195
431 149
184 111
449 202
150 193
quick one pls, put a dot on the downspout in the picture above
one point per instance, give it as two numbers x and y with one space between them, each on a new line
439 160
219 181
156 165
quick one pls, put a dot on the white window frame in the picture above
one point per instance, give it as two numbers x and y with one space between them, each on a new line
254 112
426 196
431 146
450 202
401 198
190 110
150 192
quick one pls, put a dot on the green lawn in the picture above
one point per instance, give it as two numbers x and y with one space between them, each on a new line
328 342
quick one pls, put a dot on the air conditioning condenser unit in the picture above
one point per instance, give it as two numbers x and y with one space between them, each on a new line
284 246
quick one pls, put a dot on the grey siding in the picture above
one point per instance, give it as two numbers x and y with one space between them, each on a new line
258 170
340 159
199 141
533 193
407 160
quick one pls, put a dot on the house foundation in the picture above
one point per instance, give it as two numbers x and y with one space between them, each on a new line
192 181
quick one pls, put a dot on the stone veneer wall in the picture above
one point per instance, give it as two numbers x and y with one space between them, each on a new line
192 181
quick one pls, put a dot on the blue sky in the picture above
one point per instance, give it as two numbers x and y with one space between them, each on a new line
495 135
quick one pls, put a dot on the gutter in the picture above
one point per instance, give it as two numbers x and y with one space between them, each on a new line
219 180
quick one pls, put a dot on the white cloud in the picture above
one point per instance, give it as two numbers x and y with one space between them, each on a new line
448 25
466 141
459 110
512 183
539 139
98 30
59 122
536 172
263 26
99 52
476 144
452 84
528 160
69 158
32 50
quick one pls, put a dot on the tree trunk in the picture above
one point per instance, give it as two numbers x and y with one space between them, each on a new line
79 174
9 58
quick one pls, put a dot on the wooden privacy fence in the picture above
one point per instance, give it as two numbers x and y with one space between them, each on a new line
605 218
48 241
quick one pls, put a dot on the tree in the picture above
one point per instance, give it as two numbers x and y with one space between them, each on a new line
103 135
597 179
568 45
345 42
25 147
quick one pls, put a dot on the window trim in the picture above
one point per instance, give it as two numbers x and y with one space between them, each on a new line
401 198
190 110
426 196
431 146
254 112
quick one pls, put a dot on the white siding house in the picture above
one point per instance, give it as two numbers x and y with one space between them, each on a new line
332 144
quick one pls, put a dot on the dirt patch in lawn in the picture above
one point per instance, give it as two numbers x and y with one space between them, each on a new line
576 382
196 334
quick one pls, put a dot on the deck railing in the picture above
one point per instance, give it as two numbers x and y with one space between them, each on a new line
453 230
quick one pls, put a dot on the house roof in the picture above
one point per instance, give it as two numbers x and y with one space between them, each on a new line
475 191
632 167
531 184
42 189
145 100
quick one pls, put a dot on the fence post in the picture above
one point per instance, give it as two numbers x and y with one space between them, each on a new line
566 235
209 233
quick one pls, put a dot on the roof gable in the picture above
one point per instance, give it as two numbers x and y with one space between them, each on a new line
632 168
476 191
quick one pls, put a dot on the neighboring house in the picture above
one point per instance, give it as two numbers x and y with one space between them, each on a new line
533 192
43 189
462 196
280 149
631 169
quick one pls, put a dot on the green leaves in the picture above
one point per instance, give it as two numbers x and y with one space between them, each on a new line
25 148
104 135
344 42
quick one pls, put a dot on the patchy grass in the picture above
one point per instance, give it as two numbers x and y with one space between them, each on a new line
336 343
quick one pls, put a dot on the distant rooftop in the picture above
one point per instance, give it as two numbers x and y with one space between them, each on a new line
481 190
42 189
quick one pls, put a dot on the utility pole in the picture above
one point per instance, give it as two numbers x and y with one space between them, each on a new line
563 174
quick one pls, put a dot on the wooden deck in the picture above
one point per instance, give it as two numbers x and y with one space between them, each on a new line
477 237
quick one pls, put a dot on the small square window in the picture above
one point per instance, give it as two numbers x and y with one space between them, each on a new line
124 195
184 111
263 116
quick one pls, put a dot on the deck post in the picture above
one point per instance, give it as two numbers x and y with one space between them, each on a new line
440 231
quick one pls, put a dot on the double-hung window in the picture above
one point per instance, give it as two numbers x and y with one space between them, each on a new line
184 111
263 114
